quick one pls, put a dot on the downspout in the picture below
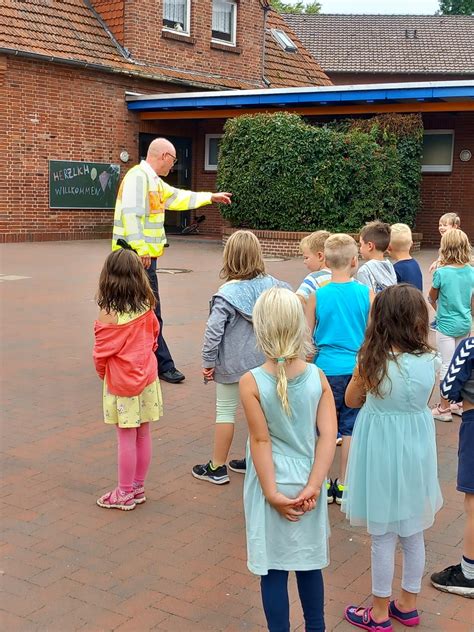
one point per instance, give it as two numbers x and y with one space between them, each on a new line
265 4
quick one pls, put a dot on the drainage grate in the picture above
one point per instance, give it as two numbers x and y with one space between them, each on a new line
172 270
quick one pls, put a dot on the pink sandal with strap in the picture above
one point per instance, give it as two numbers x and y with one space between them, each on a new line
117 499
362 618
139 494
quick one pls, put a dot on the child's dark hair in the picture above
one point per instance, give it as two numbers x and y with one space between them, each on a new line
123 284
398 323
378 233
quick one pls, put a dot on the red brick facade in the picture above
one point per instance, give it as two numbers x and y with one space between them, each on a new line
60 112
67 113
448 192
144 36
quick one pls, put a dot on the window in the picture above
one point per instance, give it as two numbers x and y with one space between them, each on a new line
224 21
284 40
212 151
437 151
176 15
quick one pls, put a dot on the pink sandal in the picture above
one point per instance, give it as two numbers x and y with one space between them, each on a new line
362 618
139 494
117 499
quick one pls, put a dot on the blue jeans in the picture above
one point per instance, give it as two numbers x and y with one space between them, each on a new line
274 587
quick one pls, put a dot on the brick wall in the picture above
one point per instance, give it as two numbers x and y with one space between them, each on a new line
146 39
63 112
447 192
67 113
279 243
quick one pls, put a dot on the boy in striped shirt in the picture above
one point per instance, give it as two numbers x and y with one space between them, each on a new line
312 248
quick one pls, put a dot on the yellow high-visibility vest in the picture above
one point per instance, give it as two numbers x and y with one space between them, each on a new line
140 208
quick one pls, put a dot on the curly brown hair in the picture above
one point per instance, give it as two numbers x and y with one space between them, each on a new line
398 323
123 284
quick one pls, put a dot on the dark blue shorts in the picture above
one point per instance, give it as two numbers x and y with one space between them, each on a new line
345 416
466 454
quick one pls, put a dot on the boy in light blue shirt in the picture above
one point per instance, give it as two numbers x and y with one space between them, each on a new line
337 316
312 247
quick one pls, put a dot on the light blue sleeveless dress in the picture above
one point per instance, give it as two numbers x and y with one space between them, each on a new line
273 542
392 473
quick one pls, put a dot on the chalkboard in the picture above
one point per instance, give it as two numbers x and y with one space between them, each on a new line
84 185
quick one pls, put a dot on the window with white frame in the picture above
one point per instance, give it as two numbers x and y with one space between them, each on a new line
437 151
224 21
176 15
211 154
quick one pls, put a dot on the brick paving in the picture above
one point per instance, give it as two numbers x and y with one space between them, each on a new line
177 563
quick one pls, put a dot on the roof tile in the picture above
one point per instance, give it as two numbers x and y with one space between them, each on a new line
289 69
68 30
386 43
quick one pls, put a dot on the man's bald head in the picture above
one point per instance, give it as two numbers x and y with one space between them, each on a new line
161 156
160 146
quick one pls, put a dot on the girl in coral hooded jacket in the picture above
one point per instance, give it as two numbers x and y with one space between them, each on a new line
125 341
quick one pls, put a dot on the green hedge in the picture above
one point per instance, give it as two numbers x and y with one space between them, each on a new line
288 175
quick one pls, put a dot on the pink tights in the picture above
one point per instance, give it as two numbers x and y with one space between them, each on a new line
134 455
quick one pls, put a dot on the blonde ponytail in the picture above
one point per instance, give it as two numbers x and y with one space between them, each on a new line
282 385
282 333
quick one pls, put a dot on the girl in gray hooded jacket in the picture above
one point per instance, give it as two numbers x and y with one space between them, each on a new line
230 348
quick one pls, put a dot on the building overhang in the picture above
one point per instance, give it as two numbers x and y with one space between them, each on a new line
428 96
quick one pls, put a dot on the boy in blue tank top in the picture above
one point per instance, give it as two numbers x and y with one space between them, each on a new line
337 316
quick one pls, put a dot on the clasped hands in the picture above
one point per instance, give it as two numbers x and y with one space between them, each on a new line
293 508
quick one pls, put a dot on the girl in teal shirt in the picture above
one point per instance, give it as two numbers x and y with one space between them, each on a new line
451 296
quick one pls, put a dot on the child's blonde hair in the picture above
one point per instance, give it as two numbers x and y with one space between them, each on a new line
400 237
452 219
242 257
339 250
455 248
282 333
315 242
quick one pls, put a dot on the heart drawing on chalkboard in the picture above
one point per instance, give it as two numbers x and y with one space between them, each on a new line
104 179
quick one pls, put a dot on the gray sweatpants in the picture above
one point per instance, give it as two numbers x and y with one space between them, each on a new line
383 562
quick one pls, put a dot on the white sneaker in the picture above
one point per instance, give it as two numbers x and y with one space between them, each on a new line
456 409
442 414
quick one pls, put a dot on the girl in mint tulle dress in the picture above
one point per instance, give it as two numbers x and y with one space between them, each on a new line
392 484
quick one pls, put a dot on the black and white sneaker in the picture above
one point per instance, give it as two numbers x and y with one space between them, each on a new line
205 472
238 465
453 580
330 491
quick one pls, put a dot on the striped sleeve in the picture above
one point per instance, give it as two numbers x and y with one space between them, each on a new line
459 371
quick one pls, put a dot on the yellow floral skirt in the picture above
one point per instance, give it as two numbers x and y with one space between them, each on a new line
131 412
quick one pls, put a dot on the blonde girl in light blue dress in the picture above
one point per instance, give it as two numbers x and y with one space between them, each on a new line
286 518
392 487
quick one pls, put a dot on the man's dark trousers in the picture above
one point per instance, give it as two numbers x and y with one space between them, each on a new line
165 361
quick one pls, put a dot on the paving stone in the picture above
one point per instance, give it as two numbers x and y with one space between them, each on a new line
177 563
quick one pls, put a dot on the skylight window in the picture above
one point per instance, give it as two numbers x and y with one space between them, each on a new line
284 40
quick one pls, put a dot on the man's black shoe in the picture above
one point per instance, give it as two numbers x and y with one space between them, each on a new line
173 376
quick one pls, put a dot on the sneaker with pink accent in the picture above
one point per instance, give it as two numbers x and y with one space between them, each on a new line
442 414
117 499
456 409
410 619
139 494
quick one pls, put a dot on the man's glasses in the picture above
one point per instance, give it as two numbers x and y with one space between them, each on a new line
175 160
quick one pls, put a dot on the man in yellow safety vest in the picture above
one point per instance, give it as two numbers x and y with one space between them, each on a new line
142 200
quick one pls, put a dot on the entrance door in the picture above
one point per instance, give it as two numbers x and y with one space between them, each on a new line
179 176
